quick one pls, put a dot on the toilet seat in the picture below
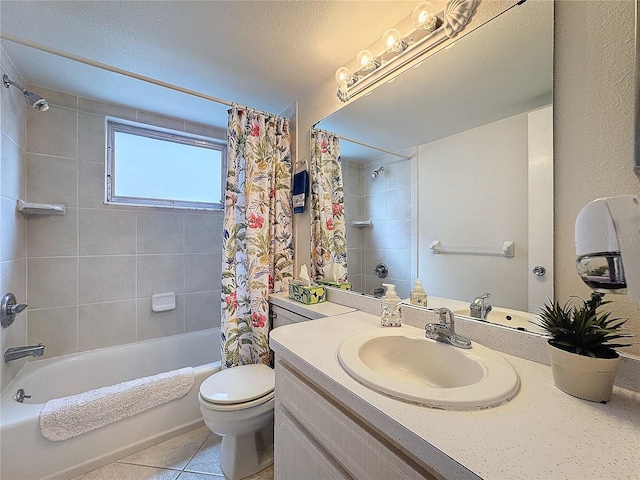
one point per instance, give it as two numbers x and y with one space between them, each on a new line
239 387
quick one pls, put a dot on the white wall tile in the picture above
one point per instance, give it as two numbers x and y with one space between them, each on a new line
52 179
63 228
106 232
91 137
159 324
54 132
91 181
203 233
202 310
103 325
12 170
13 245
160 274
52 282
202 272
106 278
55 327
160 232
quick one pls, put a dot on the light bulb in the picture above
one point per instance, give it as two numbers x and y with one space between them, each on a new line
424 16
366 60
343 76
393 41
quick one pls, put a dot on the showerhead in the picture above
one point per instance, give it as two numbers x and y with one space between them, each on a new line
35 100
377 172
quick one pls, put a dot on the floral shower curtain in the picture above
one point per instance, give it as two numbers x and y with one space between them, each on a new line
328 229
257 256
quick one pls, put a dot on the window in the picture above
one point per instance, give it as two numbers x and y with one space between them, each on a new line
147 166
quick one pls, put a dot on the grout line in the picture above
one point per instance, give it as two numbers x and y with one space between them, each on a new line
77 228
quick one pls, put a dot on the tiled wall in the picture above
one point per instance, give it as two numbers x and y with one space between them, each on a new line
92 272
13 227
389 202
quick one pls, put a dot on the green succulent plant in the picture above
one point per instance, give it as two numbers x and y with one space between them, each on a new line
581 329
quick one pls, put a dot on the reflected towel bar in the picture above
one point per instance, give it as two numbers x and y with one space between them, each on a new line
506 250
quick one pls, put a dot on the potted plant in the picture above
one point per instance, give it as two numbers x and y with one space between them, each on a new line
582 346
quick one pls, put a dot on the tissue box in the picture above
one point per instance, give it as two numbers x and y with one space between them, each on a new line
340 285
307 294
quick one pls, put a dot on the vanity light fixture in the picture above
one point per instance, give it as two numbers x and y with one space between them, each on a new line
400 51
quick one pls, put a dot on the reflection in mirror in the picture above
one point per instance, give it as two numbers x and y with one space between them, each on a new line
476 120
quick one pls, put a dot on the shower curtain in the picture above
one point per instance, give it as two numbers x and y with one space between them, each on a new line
257 248
328 229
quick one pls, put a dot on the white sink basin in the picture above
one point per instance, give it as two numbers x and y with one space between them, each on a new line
508 318
403 363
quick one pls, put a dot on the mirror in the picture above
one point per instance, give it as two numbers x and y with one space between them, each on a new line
475 119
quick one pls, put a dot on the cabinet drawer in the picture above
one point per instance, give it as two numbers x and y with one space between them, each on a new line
361 452
300 457
282 316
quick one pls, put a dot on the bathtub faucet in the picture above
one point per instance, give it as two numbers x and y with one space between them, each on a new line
15 353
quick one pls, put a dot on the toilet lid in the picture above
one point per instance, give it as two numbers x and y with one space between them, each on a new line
238 384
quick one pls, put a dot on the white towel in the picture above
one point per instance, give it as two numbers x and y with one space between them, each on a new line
68 417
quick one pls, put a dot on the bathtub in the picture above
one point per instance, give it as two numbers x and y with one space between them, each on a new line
26 454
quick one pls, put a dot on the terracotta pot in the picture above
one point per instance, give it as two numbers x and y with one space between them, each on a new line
584 377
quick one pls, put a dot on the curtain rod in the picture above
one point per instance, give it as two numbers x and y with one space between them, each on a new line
347 139
104 66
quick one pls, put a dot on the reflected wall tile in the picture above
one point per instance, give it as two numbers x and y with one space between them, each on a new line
53 282
52 179
159 324
54 235
107 278
107 232
106 324
160 274
202 310
54 132
55 327
399 234
399 203
160 232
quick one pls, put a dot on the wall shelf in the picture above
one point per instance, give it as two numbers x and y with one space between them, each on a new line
30 208
507 249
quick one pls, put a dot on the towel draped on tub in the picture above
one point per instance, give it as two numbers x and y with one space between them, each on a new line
68 417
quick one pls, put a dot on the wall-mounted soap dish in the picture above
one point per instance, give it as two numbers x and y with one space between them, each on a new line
31 208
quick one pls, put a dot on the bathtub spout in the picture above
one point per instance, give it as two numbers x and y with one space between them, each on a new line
15 353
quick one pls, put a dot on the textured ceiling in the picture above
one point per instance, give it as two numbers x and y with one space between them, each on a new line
264 54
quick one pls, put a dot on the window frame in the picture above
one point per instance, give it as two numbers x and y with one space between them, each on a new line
115 125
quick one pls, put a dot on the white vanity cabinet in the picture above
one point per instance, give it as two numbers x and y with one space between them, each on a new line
317 438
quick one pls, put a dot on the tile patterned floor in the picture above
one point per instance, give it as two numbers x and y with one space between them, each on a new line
192 456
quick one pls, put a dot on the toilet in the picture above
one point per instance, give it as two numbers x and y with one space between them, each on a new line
237 404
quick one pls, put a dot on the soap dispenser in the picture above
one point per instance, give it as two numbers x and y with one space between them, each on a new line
418 295
390 303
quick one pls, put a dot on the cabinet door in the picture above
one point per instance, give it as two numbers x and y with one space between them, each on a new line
298 456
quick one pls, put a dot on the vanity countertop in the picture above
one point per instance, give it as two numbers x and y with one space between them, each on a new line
542 433
318 310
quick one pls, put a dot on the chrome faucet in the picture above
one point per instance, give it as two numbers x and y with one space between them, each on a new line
15 353
445 330
479 308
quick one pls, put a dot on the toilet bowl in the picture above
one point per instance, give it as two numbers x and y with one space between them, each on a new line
237 404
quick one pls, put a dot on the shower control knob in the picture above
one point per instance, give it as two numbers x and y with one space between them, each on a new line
539 270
